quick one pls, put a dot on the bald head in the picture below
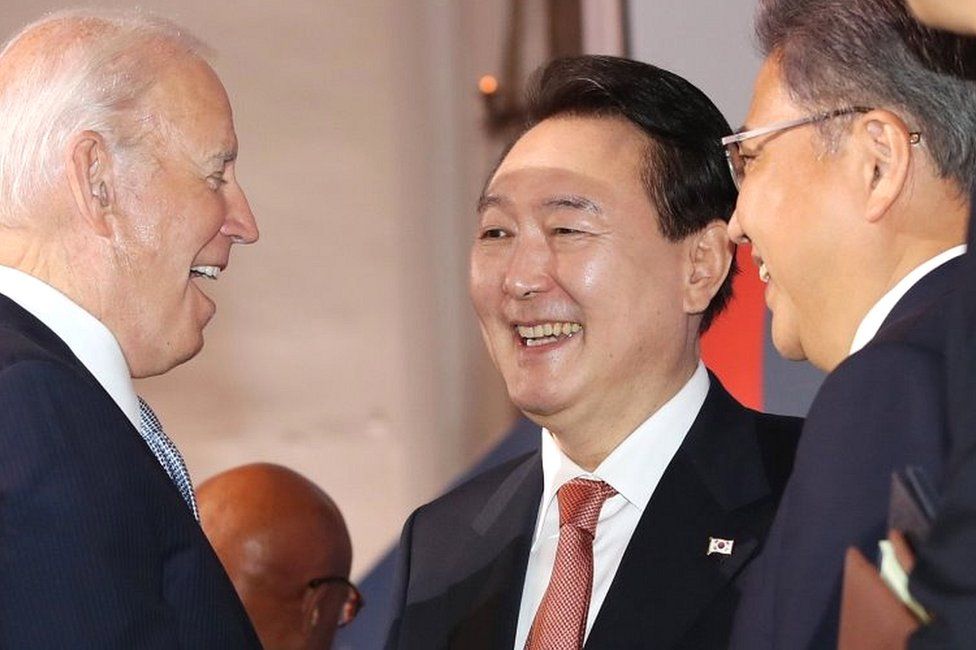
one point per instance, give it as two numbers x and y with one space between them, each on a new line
275 531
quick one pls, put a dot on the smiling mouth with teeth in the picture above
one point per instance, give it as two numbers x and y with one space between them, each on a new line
535 335
209 272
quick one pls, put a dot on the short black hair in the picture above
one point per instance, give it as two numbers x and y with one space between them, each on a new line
685 172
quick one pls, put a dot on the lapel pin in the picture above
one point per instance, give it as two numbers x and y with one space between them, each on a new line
718 545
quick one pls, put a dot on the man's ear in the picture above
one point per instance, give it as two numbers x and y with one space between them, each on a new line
90 176
312 606
886 144
710 257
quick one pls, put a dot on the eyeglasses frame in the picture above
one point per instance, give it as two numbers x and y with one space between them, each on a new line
355 599
914 137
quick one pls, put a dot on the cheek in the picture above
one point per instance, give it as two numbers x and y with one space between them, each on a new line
478 288
138 229
590 272
647 272
485 279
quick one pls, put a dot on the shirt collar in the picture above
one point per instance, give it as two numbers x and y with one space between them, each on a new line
879 312
634 468
85 335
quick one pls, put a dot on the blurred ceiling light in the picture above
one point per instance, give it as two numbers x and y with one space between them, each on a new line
488 85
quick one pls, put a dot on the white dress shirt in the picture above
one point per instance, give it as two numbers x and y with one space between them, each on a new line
85 335
873 320
633 469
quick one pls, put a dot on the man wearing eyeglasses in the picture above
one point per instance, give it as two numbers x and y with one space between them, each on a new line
944 577
284 543
855 169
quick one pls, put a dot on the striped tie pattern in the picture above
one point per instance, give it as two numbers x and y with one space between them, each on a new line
167 454
560 622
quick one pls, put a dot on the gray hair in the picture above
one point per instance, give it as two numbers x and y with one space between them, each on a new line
844 53
72 71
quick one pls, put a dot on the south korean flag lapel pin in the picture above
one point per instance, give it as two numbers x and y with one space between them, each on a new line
720 546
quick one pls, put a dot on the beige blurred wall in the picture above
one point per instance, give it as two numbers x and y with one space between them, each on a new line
344 345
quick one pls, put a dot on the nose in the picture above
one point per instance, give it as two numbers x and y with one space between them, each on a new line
529 268
240 224
736 233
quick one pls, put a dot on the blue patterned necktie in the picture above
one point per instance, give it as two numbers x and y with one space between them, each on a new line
167 454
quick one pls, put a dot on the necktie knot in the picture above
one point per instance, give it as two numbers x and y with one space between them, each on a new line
580 501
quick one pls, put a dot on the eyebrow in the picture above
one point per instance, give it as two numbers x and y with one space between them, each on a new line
574 202
225 156
486 201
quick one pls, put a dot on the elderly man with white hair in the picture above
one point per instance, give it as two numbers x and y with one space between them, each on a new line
117 197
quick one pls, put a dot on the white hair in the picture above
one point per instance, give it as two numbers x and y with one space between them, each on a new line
73 71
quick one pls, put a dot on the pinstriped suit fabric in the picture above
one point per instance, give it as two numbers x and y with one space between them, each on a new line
97 550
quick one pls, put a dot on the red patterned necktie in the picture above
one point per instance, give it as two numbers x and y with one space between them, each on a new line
560 621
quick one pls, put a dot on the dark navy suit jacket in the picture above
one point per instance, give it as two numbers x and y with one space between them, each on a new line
463 557
945 574
97 548
880 410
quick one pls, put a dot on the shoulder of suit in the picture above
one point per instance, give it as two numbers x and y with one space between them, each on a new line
770 428
776 436
885 361
41 370
887 390
24 360
474 491
16 346
778 429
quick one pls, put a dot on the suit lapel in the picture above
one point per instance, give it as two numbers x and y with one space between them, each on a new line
495 557
666 576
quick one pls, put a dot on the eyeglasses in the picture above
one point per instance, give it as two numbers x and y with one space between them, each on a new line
736 160
354 600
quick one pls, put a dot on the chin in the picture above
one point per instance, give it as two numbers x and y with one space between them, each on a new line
785 333
193 349
788 346
184 351
538 407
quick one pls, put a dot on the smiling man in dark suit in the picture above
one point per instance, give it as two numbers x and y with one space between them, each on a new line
855 171
601 254
944 579
117 195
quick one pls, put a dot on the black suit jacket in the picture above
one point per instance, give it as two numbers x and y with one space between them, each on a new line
880 410
463 557
97 547
945 574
